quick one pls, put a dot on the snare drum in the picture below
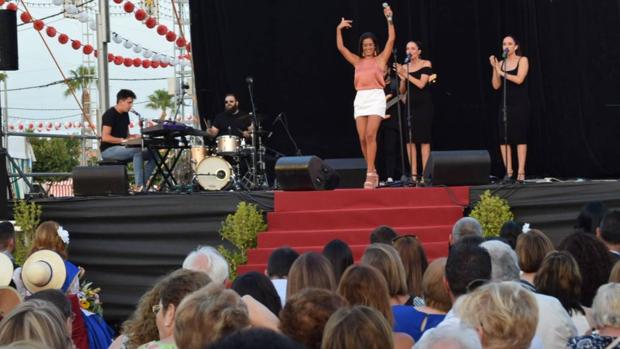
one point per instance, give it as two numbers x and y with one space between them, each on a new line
214 173
227 145
198 154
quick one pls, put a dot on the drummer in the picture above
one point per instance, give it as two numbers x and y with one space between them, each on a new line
231 122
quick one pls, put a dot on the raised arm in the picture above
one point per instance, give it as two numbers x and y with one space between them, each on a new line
389 45
348 55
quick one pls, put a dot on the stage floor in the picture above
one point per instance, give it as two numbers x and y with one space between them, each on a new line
126 242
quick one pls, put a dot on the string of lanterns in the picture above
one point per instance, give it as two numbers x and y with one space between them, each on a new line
67 125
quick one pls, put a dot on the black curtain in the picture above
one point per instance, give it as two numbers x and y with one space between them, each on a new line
288 47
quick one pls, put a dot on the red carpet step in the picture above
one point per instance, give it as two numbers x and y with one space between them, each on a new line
306 221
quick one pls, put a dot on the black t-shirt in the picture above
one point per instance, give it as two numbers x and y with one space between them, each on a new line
119 123
232 124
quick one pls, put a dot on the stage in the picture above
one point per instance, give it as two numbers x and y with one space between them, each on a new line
126 242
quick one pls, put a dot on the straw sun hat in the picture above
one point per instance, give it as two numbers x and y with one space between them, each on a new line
44 269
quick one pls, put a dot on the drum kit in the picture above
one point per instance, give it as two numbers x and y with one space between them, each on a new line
231 164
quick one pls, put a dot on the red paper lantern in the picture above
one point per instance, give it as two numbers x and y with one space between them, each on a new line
1 2
110 57
162 29
49 125
11 127
118 60
151 22
188 47
146 63
171 36
25 17
129 7
164 65
118 1
50 31
20 126
137 62
140 14
31 125
63 38
88 49
40 125
181 41
38 25
128 62
76 44
131 124
154 64
11 6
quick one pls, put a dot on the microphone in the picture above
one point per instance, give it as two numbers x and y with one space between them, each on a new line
249 80
134 112
505 53
386 5
408 58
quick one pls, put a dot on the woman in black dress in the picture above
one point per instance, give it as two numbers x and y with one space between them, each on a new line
515 69
417 73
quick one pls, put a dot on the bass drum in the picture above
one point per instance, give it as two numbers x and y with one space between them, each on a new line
214 173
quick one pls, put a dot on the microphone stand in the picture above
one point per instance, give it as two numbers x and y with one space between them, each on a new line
505 113
284 123
250 81
404 180
140 123
409 124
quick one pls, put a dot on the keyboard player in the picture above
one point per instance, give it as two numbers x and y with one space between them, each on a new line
115 133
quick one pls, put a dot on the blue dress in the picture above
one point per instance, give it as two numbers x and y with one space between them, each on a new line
413 322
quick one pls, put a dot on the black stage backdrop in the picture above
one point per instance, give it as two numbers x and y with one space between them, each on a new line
288 46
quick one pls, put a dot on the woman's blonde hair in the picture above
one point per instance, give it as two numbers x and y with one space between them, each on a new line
414 261
310 270
606 306
141 327
37 321
505 312
46 238
532 247
357 327
386 259
433 289
208 315
364 285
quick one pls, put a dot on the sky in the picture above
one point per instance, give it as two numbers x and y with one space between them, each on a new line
36 66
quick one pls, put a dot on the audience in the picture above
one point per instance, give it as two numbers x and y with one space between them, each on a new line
416 320
357 327
414 260
532 247
255 338
466 226
208 260
7 240
383 234
559 277
260 288
554 326
504 313
278 267
305 314
510 232
590 217
340 256
594 262
606 320
60 301
385 258
310 270
609 233
208 315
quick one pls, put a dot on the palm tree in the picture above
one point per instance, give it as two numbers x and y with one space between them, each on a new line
80 80
160 99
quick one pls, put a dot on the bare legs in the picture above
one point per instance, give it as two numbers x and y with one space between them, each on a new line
425 149
367 128
521 158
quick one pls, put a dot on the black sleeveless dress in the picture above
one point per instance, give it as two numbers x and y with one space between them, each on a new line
518 111
422 109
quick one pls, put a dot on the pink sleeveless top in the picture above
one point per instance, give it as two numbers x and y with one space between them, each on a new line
368 75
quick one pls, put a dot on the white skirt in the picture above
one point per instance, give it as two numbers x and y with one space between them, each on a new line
369 102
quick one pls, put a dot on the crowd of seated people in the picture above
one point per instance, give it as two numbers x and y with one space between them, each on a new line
512 291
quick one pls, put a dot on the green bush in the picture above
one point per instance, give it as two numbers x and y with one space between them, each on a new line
27 218
492 212
241 230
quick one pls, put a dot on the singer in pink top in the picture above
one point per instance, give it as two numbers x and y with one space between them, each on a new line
369 105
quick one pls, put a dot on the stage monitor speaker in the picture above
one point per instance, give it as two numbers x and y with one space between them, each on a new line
458 167
352 171
100 180
304 173
8 40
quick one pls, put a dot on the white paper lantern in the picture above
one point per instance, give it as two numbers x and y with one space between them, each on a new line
117 39
156 57
71 9
174 61
68 124
128 44
92 24
58 2
57 125
49 125
86 124
77 124
184 63
189 118
11 127
165 59
147 53
137 48
83 17
131 124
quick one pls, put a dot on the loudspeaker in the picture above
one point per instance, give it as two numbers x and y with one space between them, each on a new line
304 173
100 180
352 171
8 40
458 167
